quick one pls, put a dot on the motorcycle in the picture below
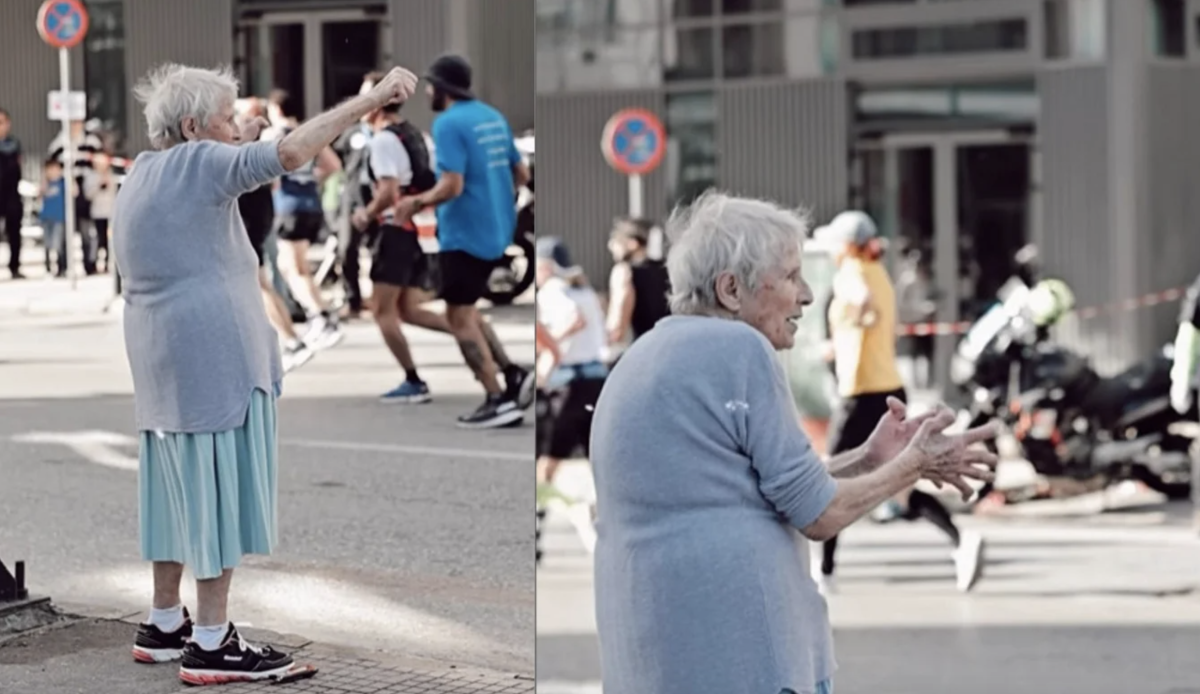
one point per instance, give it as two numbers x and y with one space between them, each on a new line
514 272
1070 422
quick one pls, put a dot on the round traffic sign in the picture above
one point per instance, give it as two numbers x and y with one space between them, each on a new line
62 23
634 141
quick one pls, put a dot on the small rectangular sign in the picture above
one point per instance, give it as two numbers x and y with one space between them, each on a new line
73 106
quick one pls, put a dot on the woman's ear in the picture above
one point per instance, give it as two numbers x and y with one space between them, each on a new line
728 292
189 129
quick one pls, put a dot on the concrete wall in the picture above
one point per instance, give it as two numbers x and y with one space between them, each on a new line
578 194
180 31
787 143
30 71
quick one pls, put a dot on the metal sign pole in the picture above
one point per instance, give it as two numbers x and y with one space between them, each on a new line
64 78
636 197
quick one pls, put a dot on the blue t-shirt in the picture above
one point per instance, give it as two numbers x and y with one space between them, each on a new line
54 206
472 139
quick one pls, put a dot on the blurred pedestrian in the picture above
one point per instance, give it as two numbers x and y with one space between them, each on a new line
638 285
12 207
299 223
862 324
354 147
100 189
206 364
570 310
703 473
480 173
54 218
84 144
398 166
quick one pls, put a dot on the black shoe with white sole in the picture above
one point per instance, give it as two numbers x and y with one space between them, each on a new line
521 386
234 661
153 645
493 413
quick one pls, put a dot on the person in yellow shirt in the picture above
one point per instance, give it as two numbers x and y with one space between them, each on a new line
862 330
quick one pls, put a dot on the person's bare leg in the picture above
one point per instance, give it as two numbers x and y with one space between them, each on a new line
277 313
387 317
300 277
464 324
493 341
547 467
413 313
167 577
212 600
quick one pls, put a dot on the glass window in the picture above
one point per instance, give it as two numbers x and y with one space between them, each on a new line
750 6
1005 102
1075 28
687 9
947 39
104 69
608 58
567 15
691 145
1167 24
811 44
752 50
689 54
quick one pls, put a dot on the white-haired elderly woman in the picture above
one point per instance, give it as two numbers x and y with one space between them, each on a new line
205 361
704 477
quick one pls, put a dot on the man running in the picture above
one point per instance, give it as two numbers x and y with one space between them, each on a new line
398 165
299 219
481 172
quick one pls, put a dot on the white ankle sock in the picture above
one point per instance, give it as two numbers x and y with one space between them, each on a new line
168 620
210 638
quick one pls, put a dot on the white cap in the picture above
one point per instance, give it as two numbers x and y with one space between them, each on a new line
852 228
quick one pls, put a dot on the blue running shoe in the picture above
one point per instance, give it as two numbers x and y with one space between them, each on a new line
408 392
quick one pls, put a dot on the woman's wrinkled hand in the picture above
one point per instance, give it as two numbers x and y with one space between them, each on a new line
395 87
953 459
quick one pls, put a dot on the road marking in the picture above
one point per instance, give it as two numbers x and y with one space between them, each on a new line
569 688
94 446
411 450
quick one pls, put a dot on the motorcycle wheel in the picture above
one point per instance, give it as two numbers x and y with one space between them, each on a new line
517 262
1174 491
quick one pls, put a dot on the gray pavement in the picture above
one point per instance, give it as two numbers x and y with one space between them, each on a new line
401 535
1102 604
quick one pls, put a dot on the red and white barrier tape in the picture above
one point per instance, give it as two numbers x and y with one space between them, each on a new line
961 327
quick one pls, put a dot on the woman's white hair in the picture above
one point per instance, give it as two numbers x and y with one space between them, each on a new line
721 233
173 92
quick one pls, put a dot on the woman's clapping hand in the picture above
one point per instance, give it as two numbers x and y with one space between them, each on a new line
952 459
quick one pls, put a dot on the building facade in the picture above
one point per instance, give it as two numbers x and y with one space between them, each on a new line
317 50
967 128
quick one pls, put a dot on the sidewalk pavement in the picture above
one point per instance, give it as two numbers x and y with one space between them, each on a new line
87 649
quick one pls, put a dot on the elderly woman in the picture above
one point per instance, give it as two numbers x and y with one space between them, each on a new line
205 362
703 474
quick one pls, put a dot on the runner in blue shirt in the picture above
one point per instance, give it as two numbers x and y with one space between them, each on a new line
479 172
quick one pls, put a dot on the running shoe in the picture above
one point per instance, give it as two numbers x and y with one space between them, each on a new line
153 645
410 392
521 386
235 661
493 413
295 356
969 560
323 333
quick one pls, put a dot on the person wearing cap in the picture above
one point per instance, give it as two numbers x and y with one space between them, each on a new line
862 327
480 172
707 486
638 285
570 310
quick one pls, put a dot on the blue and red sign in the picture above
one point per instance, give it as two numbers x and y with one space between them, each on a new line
62 23
634 141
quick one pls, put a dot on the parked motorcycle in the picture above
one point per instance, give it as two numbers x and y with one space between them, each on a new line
514 271
1069 421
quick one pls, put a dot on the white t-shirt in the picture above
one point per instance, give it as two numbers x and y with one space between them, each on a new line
559 305
389 159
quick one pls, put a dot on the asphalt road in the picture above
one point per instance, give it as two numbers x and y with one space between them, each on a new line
1097 605
399 532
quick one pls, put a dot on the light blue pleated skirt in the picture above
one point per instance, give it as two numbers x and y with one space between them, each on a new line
206 500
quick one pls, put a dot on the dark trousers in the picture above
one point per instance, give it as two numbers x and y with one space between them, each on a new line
102 243
12 232
350 266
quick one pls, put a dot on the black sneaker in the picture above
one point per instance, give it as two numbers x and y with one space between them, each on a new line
234 661
521 386
491 414
153 645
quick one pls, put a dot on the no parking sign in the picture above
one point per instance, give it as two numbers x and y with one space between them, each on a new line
62 23
634 143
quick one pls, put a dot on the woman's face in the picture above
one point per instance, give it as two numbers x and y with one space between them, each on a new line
222 127
776 306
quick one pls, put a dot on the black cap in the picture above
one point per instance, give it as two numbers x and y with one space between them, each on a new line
451 74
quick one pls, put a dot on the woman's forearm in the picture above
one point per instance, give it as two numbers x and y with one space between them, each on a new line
857 496
303 144
852 463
